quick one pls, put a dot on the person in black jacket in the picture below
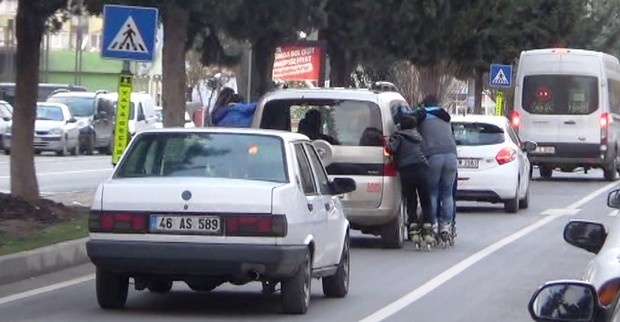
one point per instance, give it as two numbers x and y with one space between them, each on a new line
406 147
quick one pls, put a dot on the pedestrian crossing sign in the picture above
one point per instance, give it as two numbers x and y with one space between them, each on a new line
129 32
500 75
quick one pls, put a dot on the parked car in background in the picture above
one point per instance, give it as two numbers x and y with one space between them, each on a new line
55 130
7 91
6 115
288 228
493 162
96 119
350 128
159 116
142 115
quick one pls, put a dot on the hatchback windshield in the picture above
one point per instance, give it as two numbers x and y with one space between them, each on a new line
214 155
49 113
80 106
466 133
560 94
340 122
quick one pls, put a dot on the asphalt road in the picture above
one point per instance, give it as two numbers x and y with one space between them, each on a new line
62 174
489 275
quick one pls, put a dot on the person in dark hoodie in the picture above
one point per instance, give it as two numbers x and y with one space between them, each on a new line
440 149
406 145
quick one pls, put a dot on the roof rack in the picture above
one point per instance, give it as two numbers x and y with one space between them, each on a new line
383 86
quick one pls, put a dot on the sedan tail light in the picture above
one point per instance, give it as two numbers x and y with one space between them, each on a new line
117 222
506 155
256 225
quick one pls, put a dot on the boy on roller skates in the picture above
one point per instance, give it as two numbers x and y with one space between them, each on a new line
406 147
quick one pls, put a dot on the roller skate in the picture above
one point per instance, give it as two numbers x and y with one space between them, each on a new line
415 235
429 236
446 235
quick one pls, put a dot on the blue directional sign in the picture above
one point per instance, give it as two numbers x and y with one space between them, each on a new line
129 32
500 75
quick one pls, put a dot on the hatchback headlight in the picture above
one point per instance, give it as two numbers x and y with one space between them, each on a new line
56 131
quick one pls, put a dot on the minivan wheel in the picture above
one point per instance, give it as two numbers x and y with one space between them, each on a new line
393 233
545 171
609 172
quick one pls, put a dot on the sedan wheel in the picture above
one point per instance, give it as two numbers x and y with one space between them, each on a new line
337 285
296 290
112 289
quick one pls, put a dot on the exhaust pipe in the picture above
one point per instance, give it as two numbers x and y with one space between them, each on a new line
253 275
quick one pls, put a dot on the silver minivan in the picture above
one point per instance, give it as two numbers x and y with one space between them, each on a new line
349 128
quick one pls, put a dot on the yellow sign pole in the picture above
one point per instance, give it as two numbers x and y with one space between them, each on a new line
123 106
499 103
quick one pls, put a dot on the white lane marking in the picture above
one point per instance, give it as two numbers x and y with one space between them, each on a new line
448 274
64 172
561 212
613 213
46 289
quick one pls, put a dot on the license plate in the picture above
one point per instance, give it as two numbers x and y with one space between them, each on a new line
545 149
468 163
185 224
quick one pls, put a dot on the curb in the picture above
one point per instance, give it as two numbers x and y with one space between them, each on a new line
32 263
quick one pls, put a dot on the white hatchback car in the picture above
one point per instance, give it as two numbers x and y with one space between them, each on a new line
493 164
223 205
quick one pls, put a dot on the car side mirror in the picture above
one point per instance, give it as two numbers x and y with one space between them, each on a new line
71 120
529 146
585 235
343 185
613 199
568 300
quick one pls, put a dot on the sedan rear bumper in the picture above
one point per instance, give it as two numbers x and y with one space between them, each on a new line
182 260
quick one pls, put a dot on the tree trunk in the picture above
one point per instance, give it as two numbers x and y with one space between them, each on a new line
29 32
478 91
339 73
175 19
263 51
430 80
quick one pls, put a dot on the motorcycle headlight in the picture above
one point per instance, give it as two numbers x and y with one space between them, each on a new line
56 131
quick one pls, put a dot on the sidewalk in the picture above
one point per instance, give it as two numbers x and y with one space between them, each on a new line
28 264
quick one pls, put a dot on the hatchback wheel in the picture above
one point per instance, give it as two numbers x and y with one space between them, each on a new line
296 290
159 286
111 289
511 206
525 202
337 285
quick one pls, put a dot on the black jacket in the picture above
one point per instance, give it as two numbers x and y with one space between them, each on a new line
406 146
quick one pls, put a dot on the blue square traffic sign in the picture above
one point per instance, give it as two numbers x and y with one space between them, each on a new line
500 75
129 32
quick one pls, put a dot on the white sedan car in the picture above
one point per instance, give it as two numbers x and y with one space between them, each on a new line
55 129
210 206
493 165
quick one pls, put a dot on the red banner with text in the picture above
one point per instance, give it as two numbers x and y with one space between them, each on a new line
298 62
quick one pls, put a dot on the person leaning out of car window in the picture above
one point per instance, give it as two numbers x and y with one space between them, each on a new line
440 149
406 145
230 111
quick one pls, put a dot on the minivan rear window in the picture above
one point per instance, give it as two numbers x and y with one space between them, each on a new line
560 94
340 122
474 133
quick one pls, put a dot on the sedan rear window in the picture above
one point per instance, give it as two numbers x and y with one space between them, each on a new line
560 94
214 155
339 122
466 133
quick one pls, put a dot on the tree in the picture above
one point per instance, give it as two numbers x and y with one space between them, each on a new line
31 19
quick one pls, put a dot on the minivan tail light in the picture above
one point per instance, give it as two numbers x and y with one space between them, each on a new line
515 120
117 222
506 155
256 225
603 123
389 166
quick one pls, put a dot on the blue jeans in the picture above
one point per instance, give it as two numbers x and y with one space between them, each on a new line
441 176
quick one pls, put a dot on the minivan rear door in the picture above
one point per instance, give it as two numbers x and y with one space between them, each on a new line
354 131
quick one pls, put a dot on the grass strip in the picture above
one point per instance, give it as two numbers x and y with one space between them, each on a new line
64 231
